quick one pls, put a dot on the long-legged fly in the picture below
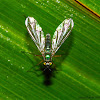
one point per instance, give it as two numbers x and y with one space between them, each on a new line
47 47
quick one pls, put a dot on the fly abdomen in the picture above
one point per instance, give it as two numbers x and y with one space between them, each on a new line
48 48
48 43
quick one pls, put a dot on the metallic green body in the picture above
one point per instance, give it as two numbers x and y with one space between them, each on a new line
48 48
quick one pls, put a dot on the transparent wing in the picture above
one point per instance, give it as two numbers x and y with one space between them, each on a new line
61 34
36 33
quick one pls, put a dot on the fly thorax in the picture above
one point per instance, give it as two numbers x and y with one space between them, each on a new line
47 57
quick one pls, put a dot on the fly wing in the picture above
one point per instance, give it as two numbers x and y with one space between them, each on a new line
61 34
36 33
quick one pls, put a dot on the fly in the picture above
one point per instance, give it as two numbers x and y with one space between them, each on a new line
47 47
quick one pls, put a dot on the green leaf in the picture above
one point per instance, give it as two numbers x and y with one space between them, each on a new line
94 5
78 67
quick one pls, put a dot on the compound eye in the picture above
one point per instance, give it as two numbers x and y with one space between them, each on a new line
44 63
50 63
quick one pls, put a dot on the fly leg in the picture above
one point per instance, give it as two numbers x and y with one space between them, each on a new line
34 66
57 55
55 68
31 53
30 70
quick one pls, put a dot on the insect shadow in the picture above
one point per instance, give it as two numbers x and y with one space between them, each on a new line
48 76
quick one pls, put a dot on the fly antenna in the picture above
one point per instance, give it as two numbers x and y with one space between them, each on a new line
47 68
44 69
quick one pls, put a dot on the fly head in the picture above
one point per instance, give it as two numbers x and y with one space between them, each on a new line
47 65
